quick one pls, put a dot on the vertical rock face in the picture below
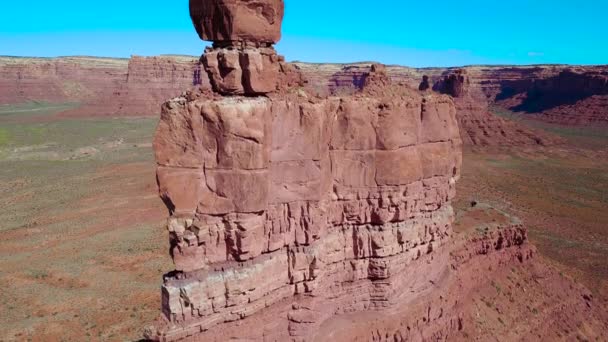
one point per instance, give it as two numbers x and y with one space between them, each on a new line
325 204
455 84
102 86
478 126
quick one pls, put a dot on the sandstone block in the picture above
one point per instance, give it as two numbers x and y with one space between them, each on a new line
242 71
399 167
237 129
246 191
438 120
354 168
256 21
179 140
180 189
295 181
398 125
353 128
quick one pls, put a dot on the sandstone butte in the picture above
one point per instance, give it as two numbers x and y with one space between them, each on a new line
288 209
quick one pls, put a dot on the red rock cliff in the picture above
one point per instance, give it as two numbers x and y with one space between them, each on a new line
279 196
102 86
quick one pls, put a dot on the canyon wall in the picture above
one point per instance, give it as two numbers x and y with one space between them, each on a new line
102 86
560 94
69 79
571 95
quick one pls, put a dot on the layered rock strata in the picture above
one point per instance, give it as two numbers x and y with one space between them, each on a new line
278 196
101 86
478 126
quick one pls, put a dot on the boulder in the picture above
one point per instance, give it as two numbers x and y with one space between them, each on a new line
257 22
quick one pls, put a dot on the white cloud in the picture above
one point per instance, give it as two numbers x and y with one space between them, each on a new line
536 54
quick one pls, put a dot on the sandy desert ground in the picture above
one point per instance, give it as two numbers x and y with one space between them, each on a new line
84 247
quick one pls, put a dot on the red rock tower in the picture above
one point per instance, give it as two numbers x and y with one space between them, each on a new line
288 208
242 60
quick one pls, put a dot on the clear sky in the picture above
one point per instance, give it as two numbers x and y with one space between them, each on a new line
414 33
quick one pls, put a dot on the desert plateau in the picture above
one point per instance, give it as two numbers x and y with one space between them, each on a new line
245 196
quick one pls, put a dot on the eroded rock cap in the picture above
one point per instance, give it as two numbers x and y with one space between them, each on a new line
244 21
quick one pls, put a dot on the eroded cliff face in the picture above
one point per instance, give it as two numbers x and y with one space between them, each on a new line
101 86
68 79
570 95
478 126
300 216
278 196
284 196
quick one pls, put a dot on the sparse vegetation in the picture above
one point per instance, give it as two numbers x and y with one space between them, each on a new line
71 231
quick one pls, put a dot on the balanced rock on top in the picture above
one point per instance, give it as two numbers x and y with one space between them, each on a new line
226 22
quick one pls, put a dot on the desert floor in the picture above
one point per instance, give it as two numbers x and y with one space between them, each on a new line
82 243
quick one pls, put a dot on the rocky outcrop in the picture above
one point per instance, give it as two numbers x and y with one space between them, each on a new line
242 60
456 84
280 196
478 126
425 84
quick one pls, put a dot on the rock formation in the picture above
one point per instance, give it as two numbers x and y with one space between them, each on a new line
297 217
569 97
478 126
282 197
232 22
242 60
455 84
102 86
425 84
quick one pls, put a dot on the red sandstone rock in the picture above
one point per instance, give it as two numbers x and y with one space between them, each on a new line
274 197
455 84
298 189
424 85
228 21
478 126
102 86
377 77
242 71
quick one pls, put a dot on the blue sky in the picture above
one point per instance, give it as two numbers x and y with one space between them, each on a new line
415 33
